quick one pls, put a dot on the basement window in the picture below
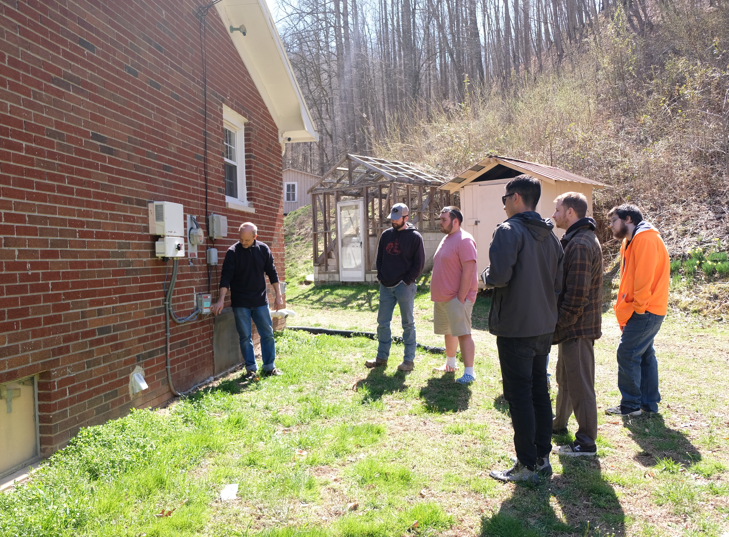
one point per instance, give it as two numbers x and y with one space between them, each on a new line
236 196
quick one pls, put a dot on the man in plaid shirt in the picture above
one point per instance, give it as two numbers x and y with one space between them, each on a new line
578 324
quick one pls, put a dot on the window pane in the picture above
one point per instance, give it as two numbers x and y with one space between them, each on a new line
229 145
231 180
291 192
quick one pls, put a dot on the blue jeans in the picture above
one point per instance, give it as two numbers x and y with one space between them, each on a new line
524 372
637 364
262 317
404 295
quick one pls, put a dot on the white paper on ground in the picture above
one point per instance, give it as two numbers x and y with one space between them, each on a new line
229 492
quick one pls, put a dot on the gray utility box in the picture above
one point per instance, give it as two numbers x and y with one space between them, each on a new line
226 343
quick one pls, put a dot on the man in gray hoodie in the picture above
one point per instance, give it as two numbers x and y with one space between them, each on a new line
526 276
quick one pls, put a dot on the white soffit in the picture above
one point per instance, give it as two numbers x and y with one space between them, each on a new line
265 58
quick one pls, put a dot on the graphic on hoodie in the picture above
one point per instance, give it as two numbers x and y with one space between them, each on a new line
393 248
400 256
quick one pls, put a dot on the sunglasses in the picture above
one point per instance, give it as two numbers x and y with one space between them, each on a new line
504 198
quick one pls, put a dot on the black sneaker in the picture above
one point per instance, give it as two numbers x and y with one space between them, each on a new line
575 450
250 374
543 468
648 411
518 472
620 410
275 372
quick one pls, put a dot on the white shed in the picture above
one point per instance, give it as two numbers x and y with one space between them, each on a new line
296 188
482 185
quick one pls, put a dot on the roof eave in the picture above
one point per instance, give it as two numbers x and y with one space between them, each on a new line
490 162
264 56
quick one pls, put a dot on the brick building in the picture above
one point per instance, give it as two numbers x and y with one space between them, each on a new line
102 110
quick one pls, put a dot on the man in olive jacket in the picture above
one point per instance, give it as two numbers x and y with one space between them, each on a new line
578 325
526 275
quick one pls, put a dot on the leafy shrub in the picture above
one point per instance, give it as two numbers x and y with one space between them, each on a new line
697 254
708 267
689 266
723 268
675 265
718 257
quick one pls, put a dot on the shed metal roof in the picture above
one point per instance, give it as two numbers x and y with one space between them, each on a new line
541 171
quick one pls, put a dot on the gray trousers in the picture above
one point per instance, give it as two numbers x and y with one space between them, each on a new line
576 380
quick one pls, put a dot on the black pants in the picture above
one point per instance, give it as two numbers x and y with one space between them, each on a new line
524 372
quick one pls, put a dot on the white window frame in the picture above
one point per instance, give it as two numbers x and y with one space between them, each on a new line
236 123
296 192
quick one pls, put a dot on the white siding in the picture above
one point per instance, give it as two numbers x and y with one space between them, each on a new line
483 210
304 181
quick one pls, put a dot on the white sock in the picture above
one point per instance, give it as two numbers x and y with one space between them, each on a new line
451 361
469 371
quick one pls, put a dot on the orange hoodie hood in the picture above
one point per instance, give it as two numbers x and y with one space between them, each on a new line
645 273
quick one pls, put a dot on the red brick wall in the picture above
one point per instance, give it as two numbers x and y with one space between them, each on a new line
100 112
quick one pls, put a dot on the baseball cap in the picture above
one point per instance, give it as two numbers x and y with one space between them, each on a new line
398 211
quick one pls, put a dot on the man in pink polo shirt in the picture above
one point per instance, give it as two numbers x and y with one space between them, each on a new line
453 289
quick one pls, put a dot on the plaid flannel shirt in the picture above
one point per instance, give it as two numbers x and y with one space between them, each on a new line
580 302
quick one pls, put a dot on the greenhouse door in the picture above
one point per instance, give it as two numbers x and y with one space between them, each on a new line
351 227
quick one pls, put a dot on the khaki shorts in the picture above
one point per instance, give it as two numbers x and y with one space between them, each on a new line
452 318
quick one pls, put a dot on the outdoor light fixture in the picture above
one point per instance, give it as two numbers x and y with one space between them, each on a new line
241 29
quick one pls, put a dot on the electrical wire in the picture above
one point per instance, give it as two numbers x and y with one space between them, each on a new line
202 14
170 313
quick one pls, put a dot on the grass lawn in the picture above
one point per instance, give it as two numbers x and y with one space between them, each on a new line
334 449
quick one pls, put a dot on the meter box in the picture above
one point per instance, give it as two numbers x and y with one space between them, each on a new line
204 301
217 226
212 256
170 247
166 219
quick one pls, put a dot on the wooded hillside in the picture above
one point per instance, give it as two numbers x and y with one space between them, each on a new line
633 94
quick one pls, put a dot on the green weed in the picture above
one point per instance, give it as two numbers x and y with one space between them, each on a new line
690 265
708 267
718 257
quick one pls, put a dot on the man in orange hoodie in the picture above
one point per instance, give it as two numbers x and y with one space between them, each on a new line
640 309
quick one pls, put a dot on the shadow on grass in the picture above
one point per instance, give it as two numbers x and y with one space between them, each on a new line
360 297
587 502
232 385
501 404
377 384
443 394
659 441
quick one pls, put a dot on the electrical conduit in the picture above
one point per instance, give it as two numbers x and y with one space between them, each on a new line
170 313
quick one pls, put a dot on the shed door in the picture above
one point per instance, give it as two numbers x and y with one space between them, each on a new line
351 226
483 212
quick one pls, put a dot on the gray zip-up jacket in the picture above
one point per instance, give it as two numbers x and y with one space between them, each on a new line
526 275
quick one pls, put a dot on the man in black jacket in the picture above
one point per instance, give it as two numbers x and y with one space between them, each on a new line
526 275
246 264
400 260
578 324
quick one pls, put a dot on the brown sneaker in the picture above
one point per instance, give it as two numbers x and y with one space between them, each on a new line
406 366
376 363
